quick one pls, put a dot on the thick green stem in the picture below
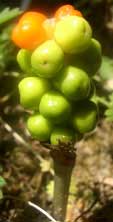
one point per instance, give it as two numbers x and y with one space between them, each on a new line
63 166
70 213
61 189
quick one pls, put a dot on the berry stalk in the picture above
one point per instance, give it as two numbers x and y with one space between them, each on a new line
64 161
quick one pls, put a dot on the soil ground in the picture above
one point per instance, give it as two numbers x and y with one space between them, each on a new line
28 173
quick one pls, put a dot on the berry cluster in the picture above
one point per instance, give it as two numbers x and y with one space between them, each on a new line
60 58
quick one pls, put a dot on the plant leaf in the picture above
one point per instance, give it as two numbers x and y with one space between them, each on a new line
8 14
2 182
106 69
1 194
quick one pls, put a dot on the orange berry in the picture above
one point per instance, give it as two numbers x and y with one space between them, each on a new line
66 10
29 31
32 16
63 10
49 26
76 13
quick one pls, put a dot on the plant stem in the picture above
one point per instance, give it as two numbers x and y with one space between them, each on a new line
70 214
63 166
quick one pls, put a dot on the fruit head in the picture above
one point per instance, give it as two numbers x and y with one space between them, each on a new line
89 60
78 36
28 33
85 116
63 135
55 107
24 60
31 90
73 82
47 59
39 127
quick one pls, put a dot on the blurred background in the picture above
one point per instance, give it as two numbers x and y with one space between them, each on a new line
26 171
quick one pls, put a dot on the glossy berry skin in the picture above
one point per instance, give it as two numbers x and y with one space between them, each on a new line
24 60
89 60
73 82
78 36
55 107
85 116
92 94
39 127
66 10
47 59
49 26
31 89
62 135
28 33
